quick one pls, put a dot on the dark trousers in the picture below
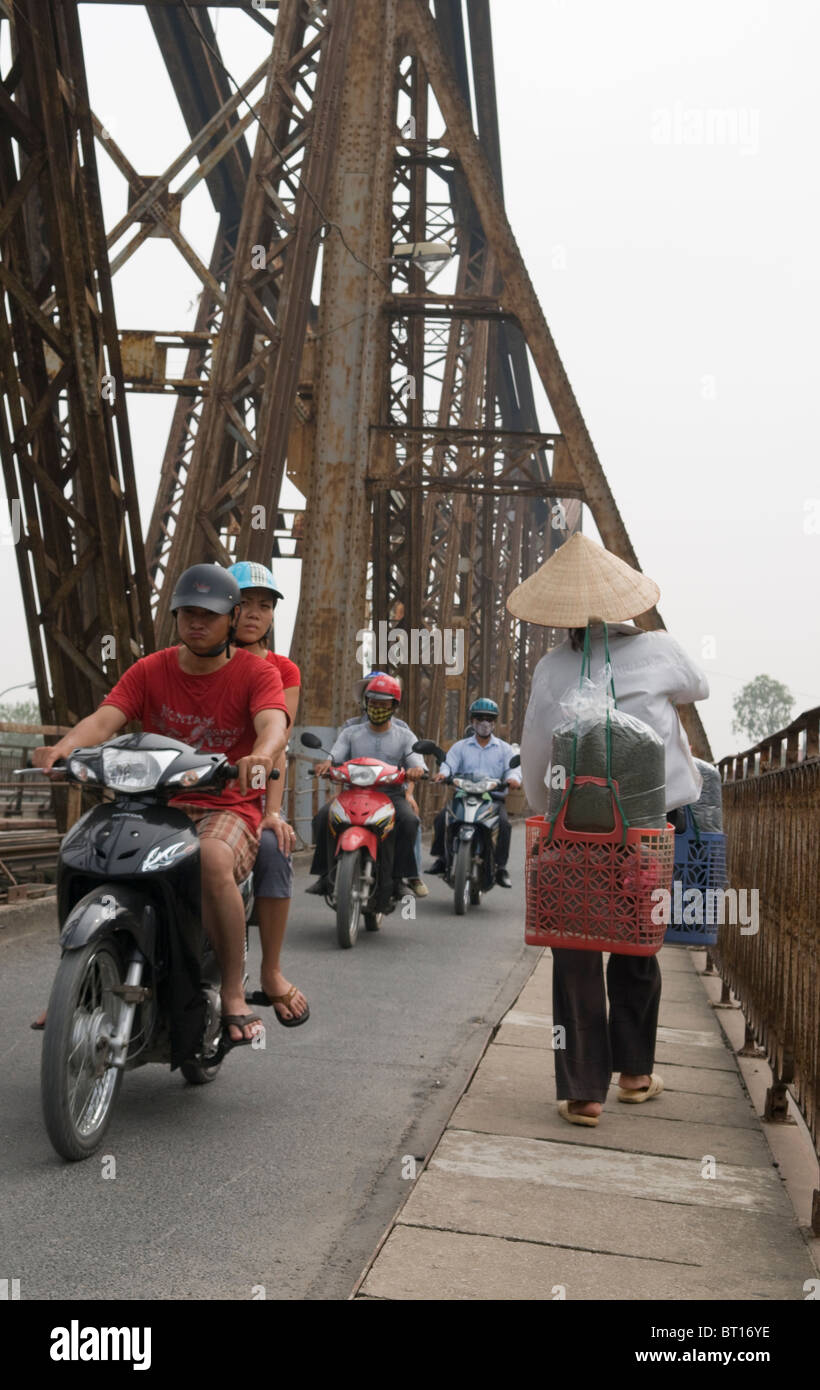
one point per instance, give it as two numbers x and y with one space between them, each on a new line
595 1047
502 844
397 854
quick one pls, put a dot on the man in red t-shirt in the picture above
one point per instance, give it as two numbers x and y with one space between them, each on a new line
222 702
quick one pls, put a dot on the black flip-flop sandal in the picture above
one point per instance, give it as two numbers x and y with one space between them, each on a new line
268 1001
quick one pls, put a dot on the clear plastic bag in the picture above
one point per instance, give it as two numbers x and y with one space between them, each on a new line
587 704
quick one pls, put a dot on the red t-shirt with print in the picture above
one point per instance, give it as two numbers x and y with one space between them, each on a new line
214 713
288 670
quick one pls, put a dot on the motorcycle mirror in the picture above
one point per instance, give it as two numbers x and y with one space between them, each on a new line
426 745
515 760
311 741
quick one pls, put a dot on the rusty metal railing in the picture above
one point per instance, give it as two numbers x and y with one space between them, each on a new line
29 842
771 808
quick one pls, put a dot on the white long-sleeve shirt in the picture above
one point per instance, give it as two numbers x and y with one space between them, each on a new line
652 674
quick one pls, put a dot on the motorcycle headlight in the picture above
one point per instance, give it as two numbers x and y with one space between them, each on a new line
363 776
190 777
133 770
81 770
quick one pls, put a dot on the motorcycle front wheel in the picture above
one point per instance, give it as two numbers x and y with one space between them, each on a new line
348 897
461 877
78 1089
475 886
200 1070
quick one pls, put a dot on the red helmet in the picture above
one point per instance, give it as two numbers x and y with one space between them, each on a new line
385 685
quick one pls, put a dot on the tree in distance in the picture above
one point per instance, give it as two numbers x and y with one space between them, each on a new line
762 707
23 712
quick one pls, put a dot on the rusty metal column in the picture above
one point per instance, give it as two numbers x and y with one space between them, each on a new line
65 442
352 346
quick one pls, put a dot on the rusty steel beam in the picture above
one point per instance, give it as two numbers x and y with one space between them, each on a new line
449 597
189 48
398 591
65 442
238 456
519 296
475 356
351 375
185 423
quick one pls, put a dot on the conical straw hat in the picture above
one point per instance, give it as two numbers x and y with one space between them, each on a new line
582 583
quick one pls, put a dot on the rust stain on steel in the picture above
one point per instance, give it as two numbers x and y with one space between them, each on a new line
350 371
72 447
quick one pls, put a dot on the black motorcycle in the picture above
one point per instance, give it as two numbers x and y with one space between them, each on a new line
138 981
470 830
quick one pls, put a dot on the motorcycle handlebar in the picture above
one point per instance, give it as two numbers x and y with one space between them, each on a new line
502 786
60 765
313 773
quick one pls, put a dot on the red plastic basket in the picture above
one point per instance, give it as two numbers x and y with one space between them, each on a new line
593 892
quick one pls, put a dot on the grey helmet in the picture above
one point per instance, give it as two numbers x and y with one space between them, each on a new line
211 587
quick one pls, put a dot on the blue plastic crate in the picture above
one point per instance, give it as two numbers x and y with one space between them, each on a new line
700 862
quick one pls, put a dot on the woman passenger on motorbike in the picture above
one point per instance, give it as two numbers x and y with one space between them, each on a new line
273 871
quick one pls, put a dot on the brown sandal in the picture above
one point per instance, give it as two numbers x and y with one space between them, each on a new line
269 1000
238 1021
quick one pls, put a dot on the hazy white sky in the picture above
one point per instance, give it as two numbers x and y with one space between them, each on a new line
660 177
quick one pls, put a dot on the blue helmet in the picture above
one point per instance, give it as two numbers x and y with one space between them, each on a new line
484 706
251 575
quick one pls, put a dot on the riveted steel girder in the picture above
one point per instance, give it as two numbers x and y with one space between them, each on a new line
237 462
351 370
64 435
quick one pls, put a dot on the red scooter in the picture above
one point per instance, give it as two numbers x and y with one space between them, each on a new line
361 818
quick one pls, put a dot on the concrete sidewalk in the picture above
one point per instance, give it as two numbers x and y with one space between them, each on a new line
679 1198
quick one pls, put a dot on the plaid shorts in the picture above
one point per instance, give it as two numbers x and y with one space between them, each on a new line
229 827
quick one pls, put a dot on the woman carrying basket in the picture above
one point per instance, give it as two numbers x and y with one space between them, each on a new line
584 586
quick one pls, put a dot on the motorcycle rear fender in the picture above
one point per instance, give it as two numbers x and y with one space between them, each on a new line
358 837
108 908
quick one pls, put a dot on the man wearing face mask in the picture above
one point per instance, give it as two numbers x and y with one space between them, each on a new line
377 737
479 755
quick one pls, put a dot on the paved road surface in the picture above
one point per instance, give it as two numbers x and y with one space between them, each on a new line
285 1172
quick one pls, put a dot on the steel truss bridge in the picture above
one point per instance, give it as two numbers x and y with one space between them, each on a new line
321 351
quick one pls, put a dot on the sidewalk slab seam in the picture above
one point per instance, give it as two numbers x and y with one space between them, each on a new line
661 1188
